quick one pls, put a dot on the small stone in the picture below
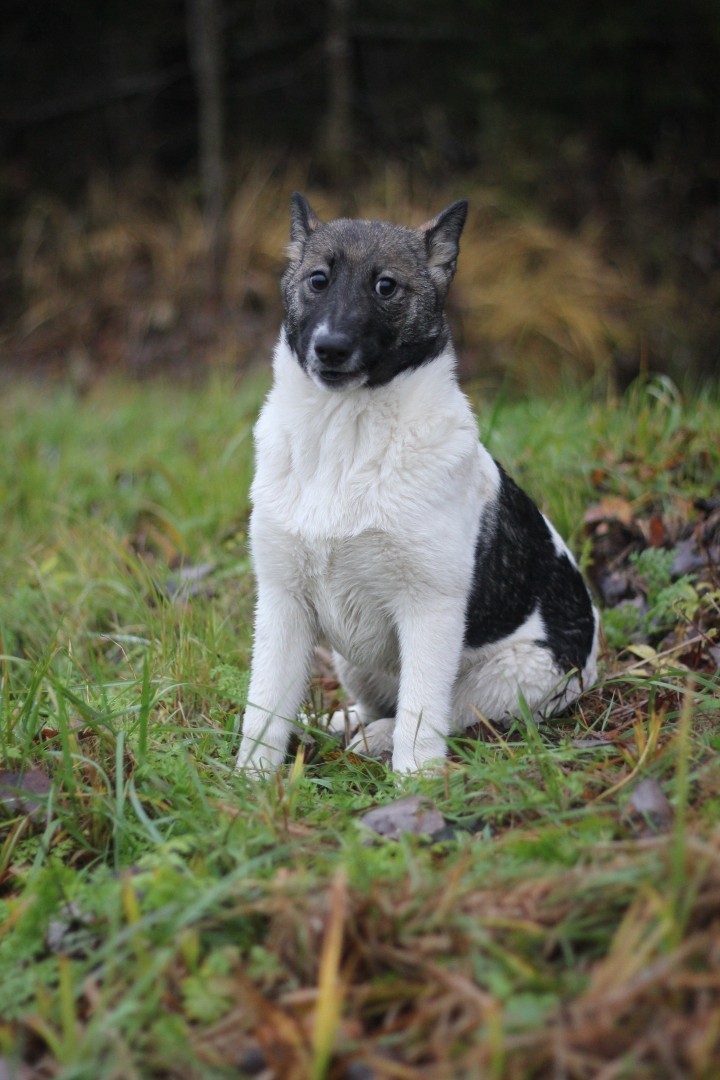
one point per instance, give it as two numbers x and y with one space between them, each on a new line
413 814
648 801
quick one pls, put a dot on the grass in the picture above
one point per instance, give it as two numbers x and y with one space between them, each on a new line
160 917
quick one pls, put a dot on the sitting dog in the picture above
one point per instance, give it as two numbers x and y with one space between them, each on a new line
381 523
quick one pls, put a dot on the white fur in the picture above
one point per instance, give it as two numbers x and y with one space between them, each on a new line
366 507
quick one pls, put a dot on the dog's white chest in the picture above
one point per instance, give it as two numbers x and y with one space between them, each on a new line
367 500
352 585
337 465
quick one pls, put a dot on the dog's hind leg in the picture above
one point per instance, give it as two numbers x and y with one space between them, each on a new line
502 681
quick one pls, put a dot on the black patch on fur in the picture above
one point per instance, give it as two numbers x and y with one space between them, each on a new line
518 569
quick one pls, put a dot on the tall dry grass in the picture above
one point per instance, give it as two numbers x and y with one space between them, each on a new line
122 280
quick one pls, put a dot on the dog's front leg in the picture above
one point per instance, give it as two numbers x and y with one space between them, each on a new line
431 638
282 647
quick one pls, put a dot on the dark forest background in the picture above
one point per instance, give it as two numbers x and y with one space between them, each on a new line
580 132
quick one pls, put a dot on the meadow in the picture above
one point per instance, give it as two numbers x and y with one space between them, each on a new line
555 914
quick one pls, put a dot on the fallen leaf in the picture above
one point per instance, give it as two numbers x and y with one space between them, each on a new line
18 791
708 506
594 740
656 530
615 586
688 557
648 801
644 651
414 814
252 1062
189 581
613 508
78 726
68 933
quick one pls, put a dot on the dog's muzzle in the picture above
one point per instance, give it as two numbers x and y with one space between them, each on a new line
334 361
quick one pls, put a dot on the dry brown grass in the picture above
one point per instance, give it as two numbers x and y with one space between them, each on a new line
123 281
650 1003
541 301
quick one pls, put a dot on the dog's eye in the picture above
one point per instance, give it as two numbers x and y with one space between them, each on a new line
319 281
385 287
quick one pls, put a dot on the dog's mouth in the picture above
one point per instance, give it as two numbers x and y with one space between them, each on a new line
336 377
336 380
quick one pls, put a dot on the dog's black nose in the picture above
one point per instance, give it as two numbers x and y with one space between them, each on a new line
333 348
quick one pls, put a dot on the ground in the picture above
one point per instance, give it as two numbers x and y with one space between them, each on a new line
546 907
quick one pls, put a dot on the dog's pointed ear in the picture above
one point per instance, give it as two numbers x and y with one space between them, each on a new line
442 241
303 221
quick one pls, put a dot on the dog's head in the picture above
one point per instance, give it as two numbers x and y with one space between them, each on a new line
364 299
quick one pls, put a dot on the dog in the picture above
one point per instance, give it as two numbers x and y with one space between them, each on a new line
381 523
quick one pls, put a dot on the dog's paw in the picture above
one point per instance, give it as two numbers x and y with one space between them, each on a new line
255 760
374 740
424 754
345 722
412 766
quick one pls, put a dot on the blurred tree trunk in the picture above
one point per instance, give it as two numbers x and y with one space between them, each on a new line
204 25
337 135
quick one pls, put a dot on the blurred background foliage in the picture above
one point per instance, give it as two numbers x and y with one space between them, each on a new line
148 150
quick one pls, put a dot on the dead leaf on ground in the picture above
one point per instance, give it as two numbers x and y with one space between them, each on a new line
596 739
657 534
19 792
691 556
68 933
78 727
649 803
188 582
612 508
414 814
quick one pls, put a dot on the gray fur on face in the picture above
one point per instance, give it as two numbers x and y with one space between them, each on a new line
389 334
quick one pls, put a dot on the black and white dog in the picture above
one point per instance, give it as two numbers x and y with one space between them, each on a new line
381 523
